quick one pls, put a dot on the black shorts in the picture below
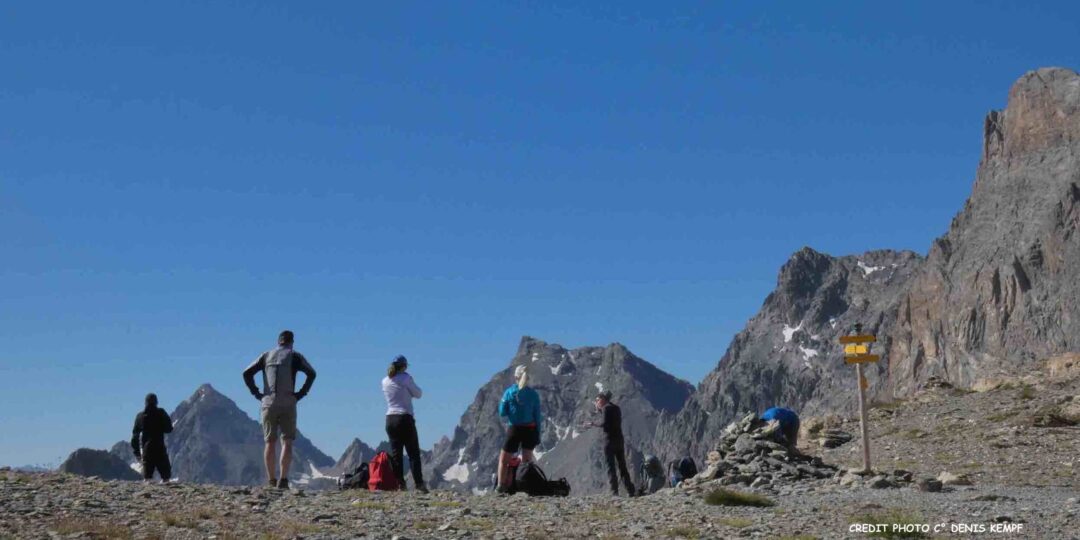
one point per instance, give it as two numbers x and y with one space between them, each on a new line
521 437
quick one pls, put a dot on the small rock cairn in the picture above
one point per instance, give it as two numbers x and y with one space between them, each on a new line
754 453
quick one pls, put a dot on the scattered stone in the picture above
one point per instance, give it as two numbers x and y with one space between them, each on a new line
937 383
1056 416
833 438
881 482
991 498
949 479
929 485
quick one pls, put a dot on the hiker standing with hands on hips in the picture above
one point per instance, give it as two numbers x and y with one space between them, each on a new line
399 389
520 406
614 444
278 397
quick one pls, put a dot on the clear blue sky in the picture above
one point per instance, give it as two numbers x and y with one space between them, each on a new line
181 181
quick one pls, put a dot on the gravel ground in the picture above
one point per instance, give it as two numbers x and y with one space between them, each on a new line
54 505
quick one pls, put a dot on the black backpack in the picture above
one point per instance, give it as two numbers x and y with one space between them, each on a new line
651 475
357 479
531 480
682 469
687 468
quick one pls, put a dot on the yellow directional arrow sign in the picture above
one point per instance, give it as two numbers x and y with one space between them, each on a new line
856 349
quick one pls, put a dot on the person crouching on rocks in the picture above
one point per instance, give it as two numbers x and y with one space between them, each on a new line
399 389
148 440
789 423
520 406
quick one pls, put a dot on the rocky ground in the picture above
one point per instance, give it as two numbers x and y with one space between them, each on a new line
64 506
1009 457
1011 433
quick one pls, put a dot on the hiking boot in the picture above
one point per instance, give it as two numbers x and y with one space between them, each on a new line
272 482
283 483
422 488
502 491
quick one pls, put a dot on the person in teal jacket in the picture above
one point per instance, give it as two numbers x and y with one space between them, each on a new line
520 406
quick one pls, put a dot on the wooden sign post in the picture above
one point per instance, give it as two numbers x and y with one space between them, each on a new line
857 351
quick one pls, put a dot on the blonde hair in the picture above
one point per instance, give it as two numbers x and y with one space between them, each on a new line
399 365
522 376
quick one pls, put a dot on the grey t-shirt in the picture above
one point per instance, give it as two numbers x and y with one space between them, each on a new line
279 368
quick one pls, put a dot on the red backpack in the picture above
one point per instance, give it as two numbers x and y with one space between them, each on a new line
381 474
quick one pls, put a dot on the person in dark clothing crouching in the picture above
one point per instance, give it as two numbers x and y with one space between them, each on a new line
148 440
400 389
614 444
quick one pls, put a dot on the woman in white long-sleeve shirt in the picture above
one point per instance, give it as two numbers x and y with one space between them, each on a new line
400 389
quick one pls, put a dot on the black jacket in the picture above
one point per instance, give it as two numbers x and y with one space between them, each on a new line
150 429
612 425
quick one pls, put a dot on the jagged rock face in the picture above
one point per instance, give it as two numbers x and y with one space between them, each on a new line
122 450
995 295
99 463
567 381
354 455
999 291
788 354
215 442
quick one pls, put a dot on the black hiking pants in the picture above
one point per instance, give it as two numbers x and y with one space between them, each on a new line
155 457
615 455
401 429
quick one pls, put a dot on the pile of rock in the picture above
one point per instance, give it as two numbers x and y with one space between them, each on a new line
756 454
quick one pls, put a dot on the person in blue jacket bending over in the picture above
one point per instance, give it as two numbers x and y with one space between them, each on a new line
789 423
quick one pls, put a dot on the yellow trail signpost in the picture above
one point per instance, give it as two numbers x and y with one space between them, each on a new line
857 351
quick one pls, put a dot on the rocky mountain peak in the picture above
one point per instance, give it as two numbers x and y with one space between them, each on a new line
214 441
995 294
1043 113
787 354
357 452
98 463
567 381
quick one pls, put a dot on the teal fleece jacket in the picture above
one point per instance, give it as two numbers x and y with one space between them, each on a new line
521 407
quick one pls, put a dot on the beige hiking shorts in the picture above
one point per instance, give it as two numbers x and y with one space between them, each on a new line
275 419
